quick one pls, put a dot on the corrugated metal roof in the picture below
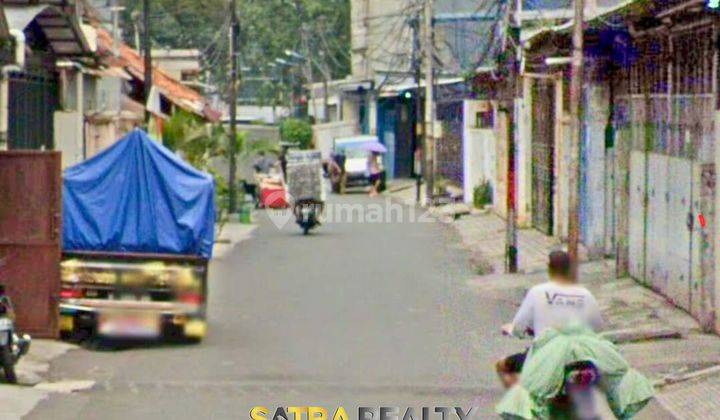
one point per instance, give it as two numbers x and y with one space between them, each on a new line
531 37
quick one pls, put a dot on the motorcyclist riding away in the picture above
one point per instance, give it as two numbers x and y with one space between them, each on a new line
564 319
554 303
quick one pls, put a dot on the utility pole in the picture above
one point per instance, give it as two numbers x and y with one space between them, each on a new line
429 132
307 63
419 125
115 11
148 57
576 115
513 91
234 76
326 99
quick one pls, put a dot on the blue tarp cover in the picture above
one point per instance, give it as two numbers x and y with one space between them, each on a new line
138 196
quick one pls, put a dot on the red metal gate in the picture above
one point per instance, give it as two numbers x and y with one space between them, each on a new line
30 209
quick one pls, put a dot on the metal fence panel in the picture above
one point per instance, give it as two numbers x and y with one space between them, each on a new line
657 220
678 239
636 239
30 230
33 101
543 154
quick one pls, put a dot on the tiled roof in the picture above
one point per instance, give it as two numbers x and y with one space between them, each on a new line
130 60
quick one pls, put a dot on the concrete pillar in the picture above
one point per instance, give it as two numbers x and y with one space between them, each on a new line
80 95
523 141
501 180
560 197
372 107
623 147
339 107
4 111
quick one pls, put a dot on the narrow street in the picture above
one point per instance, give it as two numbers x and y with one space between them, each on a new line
559 157
358 314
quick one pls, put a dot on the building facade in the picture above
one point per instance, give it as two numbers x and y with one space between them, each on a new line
648 154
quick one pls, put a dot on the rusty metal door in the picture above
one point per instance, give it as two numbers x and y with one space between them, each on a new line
543 154
30 209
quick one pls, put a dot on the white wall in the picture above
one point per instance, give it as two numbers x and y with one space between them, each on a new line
316 108
68 138
264 114
325 134
479 150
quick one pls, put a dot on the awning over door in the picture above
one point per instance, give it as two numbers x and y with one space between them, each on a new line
62 30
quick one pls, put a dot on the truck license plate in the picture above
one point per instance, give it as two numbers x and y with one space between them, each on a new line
129 325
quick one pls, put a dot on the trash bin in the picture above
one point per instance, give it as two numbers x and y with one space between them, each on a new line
246 213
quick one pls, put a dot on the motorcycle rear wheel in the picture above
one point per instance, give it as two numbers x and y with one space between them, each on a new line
7 361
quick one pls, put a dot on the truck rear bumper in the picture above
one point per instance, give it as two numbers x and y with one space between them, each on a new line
181 322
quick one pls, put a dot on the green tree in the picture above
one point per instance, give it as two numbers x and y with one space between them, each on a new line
198 143
194 139
297 131
268 29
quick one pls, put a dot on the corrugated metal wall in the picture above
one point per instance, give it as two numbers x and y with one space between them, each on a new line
665 109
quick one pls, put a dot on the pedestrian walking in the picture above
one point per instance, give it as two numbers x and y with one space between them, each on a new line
375 173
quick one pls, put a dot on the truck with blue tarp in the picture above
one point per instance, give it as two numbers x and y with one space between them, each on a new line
138 232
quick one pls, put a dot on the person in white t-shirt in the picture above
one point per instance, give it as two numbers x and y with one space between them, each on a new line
552 304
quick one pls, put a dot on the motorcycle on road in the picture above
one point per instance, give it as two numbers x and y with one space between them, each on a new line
305 187
307 214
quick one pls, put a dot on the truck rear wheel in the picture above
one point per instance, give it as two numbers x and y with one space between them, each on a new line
194 331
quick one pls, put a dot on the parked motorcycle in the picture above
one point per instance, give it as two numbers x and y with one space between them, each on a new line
307 214
12 346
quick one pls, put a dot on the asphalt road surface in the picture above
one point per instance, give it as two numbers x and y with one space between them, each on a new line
357 314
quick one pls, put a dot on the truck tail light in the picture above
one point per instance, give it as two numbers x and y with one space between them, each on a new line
191 298
71 294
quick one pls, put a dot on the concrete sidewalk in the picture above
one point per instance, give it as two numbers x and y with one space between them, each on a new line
231 235
483 234
654 335
34 384
660 340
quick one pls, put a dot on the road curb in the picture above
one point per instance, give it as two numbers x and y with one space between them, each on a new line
696 374
637 335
